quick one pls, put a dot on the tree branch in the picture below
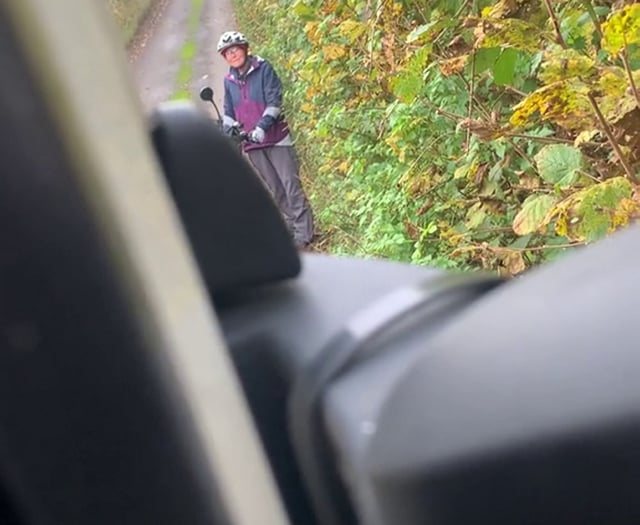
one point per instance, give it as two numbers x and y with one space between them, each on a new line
547 247
475 247
522 154
612 140
472 85
445 113
417 6
594 17
627 67
455 17
556 24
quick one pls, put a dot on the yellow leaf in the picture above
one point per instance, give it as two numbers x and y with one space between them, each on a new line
311 30
402 154
560 64
311 92
613 80
585 136
352 29
512 263
622 29
330 6
626 210
343 167
507 32
295 59
466 170
333 51
352 195
563 102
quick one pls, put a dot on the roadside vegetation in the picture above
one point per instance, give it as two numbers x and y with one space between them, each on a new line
460 133
129 14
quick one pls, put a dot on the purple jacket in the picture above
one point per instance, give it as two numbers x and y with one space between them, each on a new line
255 99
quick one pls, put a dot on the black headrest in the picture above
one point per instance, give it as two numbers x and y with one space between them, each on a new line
236 231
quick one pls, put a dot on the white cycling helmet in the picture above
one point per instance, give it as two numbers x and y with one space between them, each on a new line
231 38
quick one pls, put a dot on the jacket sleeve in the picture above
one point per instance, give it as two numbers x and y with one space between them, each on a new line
229 114
272 88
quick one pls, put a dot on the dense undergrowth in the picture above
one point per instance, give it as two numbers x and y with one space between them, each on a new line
460 133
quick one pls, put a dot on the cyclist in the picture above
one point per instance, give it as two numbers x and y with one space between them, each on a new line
253 102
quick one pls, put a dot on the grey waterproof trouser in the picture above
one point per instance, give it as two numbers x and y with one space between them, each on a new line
278 168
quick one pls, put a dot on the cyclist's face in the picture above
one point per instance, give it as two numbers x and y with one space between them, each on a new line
235 56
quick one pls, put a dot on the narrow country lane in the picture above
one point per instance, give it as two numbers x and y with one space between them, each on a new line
155 54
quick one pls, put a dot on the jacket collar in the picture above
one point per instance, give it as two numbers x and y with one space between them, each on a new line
254 63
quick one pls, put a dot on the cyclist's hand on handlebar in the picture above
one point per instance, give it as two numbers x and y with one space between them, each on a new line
233 128
257 135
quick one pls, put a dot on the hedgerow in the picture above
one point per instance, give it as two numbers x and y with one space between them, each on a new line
461 133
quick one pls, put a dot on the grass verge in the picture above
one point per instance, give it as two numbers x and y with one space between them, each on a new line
187 53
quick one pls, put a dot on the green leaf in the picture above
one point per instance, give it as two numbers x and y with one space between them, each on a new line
591 213
475 216
521 242
499 147
486 58
408 83
505 67
420 31
303 10
495 173
533 213
599 205
559 164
